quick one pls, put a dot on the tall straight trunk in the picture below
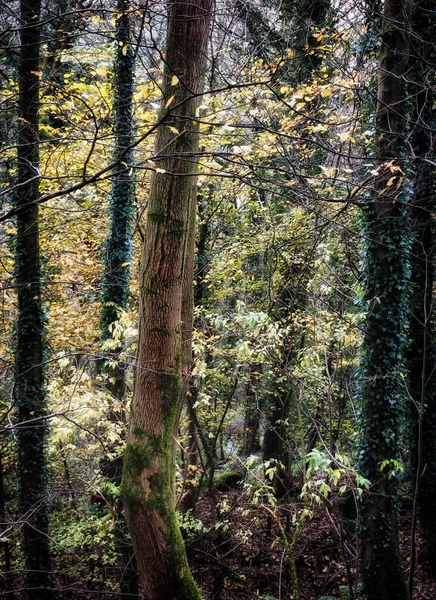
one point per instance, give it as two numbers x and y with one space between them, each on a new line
422 350
275 443
385 278
193 296
187 324
116 279
148 474
29 370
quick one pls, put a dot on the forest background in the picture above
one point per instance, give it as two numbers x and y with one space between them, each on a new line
297 441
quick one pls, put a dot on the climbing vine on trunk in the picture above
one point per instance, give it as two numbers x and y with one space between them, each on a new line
385 277
30 393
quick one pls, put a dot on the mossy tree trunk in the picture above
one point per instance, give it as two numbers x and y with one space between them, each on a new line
116 279
30 395
148 474
385 279
422 349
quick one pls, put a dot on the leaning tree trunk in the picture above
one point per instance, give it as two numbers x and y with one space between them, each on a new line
385 277
148 474
116 279
422 349
29 364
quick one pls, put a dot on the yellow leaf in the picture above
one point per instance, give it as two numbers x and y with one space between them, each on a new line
174 80
169 101
125 49
391 181
173 129
160 171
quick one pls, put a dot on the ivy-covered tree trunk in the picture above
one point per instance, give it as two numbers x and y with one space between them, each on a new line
422 349
386 275
116 279
148 474
307 17
30 395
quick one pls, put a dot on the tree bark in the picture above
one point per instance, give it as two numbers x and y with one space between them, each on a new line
385 278
29 363
116 279
148 475
422 349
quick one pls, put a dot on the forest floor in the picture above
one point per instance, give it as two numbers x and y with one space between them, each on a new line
241 551
245 556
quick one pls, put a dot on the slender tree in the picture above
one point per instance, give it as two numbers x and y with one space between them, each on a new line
167 258
422 349
116 279
386 275
193 297
29 377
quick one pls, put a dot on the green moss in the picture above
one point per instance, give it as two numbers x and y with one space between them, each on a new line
160 331
139 455
159 217
227 480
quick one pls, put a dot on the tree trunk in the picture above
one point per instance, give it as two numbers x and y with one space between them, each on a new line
422 349
148 475
194 296
275 443
251 441
29 376
307 17
386 275
116 280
